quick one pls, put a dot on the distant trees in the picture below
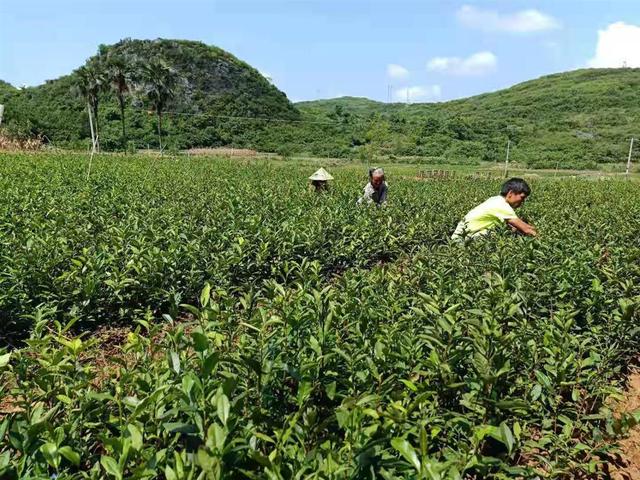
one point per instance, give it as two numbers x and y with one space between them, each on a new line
568 118
379 138
119 70
151 80
109 71
89 85
158 85
117 85
513 133
340 115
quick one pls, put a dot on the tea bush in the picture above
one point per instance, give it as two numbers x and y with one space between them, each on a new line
277 333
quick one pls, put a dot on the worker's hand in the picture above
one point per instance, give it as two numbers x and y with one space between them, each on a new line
522 227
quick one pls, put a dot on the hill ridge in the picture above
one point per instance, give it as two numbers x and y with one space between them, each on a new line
573 119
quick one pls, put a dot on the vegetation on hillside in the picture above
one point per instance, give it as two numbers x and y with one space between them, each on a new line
574 119
209 85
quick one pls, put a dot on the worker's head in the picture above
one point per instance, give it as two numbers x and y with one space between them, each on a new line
319 185
515 191
319 179
376 177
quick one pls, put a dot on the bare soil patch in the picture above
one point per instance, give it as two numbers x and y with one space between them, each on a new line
629 467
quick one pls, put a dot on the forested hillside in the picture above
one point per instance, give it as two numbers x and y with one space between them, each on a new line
575 118
197 88
194 95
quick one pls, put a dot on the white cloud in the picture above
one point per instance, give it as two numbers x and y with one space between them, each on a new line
476 64
397 71
617 46
524 21
417 93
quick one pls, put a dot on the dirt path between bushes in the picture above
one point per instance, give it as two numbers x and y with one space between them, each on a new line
629 468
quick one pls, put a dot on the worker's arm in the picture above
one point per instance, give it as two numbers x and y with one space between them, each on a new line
522 227
366 197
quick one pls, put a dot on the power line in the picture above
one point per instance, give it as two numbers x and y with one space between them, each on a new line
361 121
238 117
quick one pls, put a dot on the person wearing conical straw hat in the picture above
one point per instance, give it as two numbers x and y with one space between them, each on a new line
319 180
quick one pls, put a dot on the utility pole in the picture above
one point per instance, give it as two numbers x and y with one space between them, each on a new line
1 113
629 158
389 93
506 161
93 135
94 139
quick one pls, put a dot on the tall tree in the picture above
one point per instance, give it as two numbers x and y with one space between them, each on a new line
89 86
379 138
159 84
118 71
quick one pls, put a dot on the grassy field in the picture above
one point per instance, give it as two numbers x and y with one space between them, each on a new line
195 317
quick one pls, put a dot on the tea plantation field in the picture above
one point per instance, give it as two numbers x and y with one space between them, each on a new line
201 318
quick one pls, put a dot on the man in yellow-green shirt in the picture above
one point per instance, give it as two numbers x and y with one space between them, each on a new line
496 211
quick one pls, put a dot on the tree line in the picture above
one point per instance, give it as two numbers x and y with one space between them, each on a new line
150 81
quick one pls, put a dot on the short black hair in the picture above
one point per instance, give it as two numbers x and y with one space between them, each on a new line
515 185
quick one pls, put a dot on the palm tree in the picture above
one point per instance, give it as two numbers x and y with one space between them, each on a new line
90 82
119 71
159 84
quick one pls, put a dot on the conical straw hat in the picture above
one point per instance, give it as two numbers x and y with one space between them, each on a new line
321 174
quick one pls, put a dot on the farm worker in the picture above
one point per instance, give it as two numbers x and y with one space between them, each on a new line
497 211
319 180
376 190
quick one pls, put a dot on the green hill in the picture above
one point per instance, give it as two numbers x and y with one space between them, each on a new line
212 85
575 118
6 90
358 105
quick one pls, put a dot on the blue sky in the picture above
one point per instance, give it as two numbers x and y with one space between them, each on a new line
426 50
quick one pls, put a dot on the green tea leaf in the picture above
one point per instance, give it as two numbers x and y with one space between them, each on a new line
68 453
210 363
200 342
205 295
407 451
507 437
4 359
136 436
169 473
223 407
175 362
111 466
179 427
